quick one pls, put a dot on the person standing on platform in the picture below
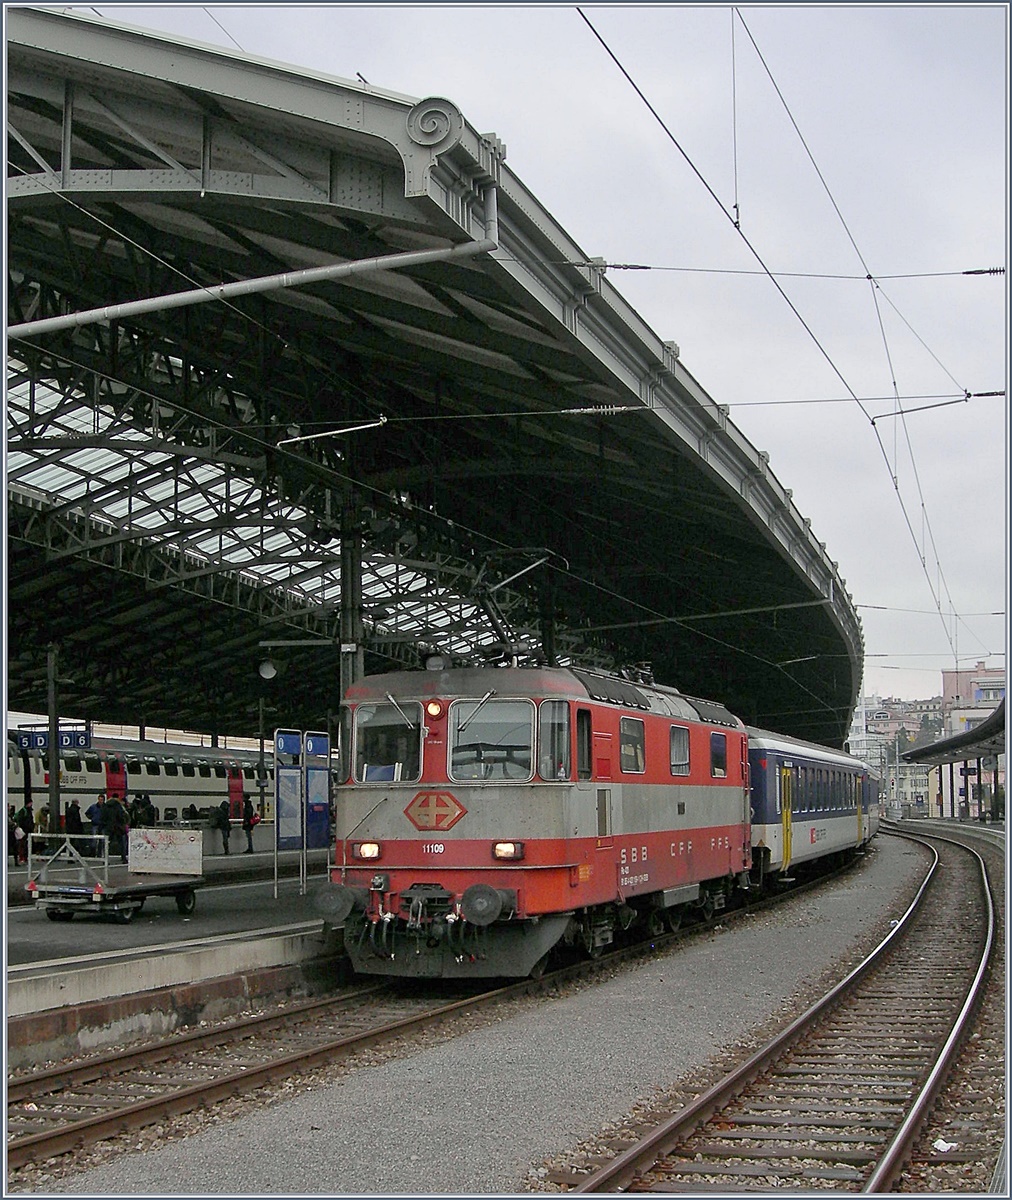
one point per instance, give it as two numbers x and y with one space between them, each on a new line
12 834
114 826
219 820
249 819
73 825
94 814
25 821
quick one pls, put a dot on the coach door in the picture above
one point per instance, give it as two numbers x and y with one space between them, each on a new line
786 810
857 787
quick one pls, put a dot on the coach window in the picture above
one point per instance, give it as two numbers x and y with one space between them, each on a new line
584 744
718 755
188 769
491 739
72 762
170 767
152 768
204 770
388 741
553 740
679 750
632 746
93 764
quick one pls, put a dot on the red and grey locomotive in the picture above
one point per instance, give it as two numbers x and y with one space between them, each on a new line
490 815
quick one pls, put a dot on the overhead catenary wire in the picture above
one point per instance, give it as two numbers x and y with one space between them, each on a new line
752 249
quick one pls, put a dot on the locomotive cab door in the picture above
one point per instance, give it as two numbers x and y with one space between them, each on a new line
786 784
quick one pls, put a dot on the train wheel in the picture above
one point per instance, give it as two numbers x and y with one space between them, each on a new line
186 902
655 922
673 917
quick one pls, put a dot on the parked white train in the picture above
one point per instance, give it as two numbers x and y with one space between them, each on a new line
174 776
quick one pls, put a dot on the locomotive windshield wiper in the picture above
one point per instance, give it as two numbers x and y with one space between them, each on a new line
477 708
404 716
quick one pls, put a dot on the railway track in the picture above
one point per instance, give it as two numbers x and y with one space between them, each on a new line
65 1108
74 1105
836 1101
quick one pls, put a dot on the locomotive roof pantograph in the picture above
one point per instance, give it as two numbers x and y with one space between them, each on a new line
513 464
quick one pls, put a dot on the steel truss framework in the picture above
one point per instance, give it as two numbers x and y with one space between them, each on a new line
527 469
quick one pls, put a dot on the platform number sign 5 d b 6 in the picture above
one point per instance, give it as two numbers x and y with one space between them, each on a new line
434 810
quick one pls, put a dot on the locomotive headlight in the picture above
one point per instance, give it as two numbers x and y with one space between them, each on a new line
365 849
434 709
508 850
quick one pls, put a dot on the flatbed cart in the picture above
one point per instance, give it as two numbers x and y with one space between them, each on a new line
67 878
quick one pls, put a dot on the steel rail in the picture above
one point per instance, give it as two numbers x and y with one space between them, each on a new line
619 1174
23 1087
33 1147
897 1153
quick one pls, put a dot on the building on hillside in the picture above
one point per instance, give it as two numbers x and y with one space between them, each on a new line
969 695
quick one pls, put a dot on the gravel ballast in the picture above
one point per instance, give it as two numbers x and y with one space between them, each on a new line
484 1112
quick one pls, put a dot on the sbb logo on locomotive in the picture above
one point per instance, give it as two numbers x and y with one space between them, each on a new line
435 810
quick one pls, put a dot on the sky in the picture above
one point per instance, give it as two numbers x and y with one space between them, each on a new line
862 150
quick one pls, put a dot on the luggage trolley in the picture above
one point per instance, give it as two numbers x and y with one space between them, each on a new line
65 876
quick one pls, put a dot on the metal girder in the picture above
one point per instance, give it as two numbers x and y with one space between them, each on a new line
149 450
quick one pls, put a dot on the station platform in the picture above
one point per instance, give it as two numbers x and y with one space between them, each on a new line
215 868
92 982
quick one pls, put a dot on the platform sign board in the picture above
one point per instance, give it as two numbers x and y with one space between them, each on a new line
67 739
166 851
288 807
288 824
317 792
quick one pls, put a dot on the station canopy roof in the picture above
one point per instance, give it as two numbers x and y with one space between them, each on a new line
521 466
986 740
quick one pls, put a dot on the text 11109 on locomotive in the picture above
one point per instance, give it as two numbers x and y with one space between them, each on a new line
491 815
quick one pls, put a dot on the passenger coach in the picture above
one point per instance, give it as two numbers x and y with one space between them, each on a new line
808 802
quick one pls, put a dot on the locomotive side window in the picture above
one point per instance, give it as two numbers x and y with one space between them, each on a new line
718 755
491 739
388 742
553 740
679 750
631 746
584 744
344 744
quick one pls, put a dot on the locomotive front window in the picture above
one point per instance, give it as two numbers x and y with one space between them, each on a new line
553 741
492 739
632 745
388 742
